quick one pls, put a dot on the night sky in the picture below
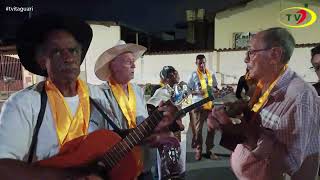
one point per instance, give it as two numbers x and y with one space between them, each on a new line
147 15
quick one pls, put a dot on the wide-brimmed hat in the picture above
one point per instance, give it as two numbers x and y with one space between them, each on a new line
102 69
33 31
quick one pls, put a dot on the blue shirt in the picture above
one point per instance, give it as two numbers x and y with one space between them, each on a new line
195 85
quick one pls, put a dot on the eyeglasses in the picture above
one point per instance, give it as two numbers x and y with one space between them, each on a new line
251 52
315 68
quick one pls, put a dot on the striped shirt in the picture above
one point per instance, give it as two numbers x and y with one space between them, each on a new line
290 141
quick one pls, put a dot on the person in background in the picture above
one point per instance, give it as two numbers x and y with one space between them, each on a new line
315 61
242 84
202 82
170 162
281 126
157 86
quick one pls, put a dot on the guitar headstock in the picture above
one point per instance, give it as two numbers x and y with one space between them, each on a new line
179 93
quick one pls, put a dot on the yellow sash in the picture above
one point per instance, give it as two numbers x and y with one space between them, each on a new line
69 127
263 99
161 84
204 87
246 76
127 104
128 107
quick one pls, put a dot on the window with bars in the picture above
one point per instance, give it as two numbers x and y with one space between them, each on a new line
10 67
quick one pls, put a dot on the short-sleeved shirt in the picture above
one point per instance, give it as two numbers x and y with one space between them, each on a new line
195 85
18 119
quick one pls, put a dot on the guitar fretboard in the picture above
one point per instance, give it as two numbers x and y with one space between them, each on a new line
121 149
117 152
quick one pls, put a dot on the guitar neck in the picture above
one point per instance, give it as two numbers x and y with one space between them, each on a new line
193 106
136 135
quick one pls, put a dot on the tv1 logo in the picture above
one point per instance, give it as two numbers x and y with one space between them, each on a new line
297 17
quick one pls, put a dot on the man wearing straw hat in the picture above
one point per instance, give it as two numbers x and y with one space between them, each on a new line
37 121
116 66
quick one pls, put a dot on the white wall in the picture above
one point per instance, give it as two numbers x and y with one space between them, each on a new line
259 15
228 65
300 62
148 69
103 38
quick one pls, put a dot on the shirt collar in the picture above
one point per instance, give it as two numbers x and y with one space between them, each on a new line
282 84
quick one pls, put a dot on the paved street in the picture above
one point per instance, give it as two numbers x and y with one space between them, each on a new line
207 169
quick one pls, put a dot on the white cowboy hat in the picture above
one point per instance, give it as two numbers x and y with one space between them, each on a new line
101 68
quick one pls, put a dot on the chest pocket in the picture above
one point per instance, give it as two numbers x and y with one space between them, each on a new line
269 119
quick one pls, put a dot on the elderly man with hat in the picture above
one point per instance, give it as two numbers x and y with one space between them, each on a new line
116 66
37 121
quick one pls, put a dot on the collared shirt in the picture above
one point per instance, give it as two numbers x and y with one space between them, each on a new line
293 142
141 115
18 119
195 85
141 108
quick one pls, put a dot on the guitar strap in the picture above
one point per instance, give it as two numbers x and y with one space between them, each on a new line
105 116
43 105
34 141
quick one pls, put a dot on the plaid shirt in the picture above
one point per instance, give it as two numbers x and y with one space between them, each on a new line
292 144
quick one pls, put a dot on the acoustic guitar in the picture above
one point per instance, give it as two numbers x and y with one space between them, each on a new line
104 149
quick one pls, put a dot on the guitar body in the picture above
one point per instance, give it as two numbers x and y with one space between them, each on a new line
85 149
231 140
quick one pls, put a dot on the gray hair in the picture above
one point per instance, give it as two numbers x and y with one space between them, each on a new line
280 37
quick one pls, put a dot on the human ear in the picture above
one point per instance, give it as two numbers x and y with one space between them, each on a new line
276 55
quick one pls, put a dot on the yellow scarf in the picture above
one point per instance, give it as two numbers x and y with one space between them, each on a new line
128 107
263 99
204 87
69 127
246 76
127 104
161 84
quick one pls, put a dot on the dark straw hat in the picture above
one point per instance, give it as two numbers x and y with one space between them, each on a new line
34 30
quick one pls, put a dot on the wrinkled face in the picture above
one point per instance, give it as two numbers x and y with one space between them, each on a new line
61 56
122 68
315 61
201 64
258 57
